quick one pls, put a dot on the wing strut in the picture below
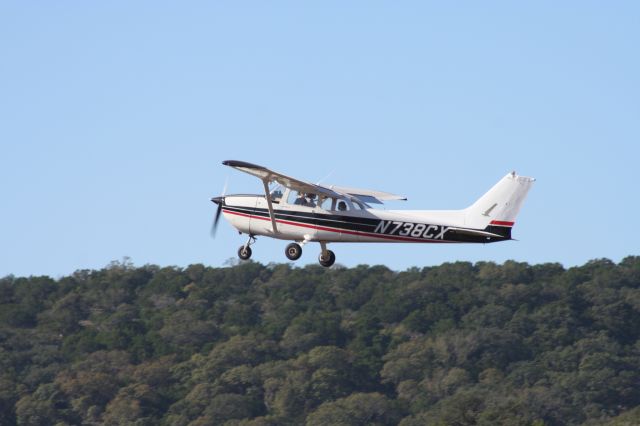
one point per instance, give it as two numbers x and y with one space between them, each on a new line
268 196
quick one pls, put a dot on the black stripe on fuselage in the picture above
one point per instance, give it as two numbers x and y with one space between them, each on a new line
364 225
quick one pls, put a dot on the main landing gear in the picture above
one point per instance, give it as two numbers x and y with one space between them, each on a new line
293 252
326 258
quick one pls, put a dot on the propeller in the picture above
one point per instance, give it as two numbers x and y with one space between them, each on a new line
219 201
214 225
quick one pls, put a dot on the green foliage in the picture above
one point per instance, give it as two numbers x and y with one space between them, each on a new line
456 344
357 409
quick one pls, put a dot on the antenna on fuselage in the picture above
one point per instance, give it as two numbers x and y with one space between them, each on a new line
326 177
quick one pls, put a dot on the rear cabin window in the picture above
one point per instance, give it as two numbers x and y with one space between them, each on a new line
357 205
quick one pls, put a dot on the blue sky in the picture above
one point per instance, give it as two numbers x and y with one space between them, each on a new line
115 117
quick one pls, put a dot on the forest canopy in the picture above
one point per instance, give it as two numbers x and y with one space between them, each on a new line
253 344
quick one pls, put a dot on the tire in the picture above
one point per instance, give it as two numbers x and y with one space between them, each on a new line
330 260
293 251
244 253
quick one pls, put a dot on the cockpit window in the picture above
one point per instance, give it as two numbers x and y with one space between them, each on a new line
276 195
302 199
327 203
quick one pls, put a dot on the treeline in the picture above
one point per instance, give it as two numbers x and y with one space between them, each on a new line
456 344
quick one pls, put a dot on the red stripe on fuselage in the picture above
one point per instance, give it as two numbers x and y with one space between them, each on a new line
501 223
338 230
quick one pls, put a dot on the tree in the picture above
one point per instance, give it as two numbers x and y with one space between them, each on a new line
459 343
357 409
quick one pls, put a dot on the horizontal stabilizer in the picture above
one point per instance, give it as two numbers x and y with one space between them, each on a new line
475 232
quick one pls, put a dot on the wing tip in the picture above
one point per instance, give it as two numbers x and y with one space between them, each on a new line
237 163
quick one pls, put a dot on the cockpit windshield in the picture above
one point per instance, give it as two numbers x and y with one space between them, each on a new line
276 194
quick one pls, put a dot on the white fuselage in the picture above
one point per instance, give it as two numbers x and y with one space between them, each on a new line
358 223
302 212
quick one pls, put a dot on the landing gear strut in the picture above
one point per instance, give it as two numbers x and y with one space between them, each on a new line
244 252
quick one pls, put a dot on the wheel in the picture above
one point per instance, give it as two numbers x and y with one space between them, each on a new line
327 261
293 251
244 253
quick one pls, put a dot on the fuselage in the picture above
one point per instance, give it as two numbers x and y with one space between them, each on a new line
304 212
349 220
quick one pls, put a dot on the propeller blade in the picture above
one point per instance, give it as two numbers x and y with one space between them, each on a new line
214 225
218 200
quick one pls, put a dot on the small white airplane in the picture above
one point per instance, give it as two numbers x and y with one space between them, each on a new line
304 212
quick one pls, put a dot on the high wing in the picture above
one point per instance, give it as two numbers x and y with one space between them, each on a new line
267 176
368 195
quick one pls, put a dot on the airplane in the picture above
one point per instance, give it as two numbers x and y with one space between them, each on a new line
304 212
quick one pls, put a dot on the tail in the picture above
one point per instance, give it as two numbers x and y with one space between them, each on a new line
496 210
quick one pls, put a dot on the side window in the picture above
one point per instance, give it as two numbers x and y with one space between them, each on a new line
293 197
301 199
342 206
328 203
359 205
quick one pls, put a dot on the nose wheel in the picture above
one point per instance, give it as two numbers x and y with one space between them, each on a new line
244 252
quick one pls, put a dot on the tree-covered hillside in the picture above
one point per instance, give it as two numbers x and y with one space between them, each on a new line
456 344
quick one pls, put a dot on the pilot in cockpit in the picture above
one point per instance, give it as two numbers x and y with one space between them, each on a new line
311 197
301 200
305 199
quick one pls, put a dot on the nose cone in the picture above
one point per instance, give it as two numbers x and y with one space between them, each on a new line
218 200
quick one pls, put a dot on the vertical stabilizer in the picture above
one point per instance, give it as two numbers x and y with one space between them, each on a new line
499 207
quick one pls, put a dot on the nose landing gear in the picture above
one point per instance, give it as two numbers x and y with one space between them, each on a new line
244 252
